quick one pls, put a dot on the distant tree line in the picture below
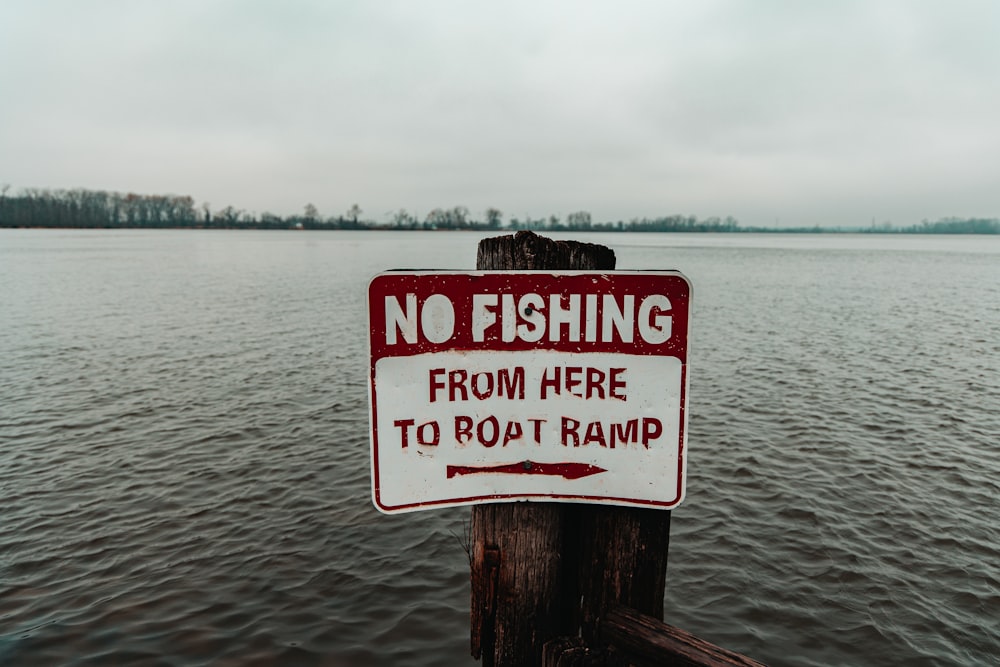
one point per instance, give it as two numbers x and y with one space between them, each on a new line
955 226
90 208
581 222
81 208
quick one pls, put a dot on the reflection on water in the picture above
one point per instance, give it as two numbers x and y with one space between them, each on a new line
184 455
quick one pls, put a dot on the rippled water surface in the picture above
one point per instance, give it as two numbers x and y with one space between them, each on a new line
184 454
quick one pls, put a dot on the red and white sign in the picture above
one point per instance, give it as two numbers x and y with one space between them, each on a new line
502 386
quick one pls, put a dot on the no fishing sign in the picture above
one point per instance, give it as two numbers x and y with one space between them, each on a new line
548 386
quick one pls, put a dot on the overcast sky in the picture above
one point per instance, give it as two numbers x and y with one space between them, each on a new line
777 112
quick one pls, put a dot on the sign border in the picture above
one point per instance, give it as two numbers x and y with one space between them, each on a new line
681 479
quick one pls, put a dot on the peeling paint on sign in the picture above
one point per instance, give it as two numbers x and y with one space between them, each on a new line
547 386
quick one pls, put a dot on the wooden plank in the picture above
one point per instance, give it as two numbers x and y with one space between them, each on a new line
645 640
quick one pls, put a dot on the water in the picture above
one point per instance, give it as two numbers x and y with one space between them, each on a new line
184 457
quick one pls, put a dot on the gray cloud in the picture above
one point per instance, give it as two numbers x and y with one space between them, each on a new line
807 113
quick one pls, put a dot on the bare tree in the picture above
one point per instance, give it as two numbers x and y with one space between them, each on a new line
402 219
493 218
579 220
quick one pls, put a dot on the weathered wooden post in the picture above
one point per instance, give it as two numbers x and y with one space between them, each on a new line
541 571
